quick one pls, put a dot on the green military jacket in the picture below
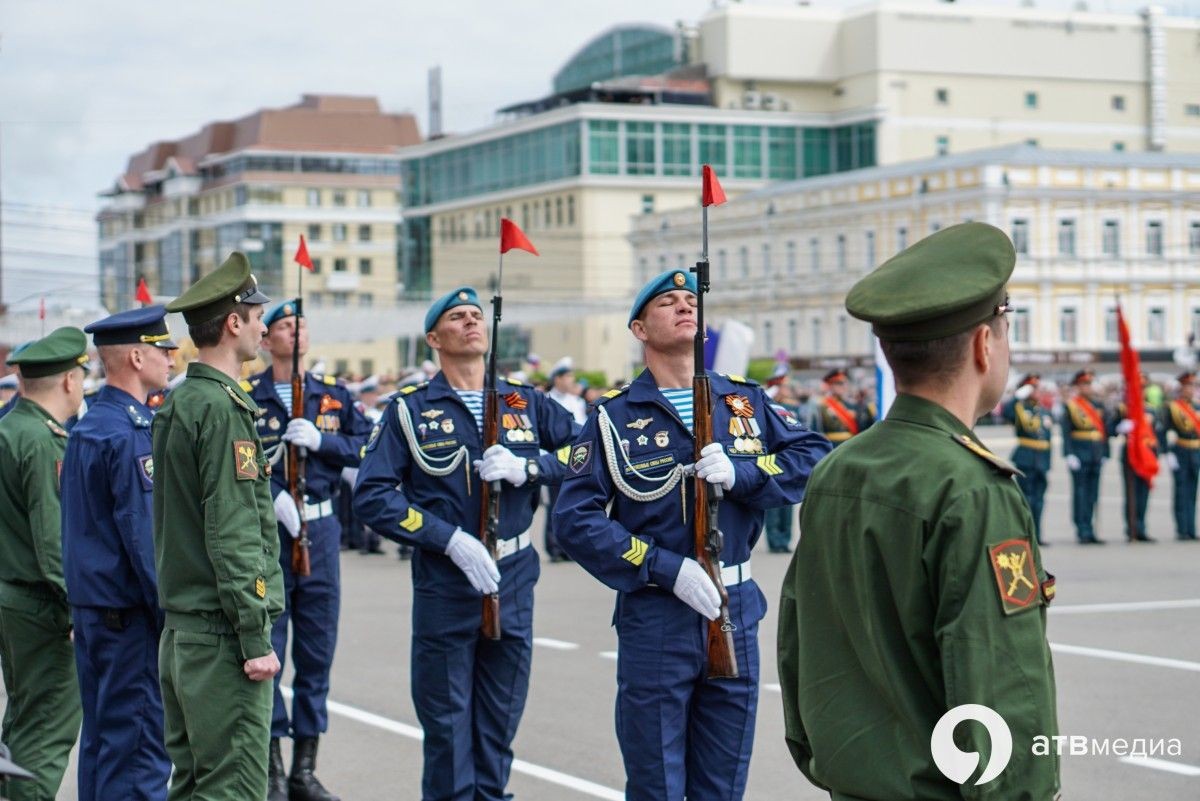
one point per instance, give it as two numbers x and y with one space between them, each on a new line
32 444
917 586
215 541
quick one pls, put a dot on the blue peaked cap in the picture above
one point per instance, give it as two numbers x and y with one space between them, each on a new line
663 282
285 309
142 326
463 296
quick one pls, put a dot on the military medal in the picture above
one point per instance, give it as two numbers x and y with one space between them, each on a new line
752 425
739 445
447 426
273 424
643 440
662 439
740 405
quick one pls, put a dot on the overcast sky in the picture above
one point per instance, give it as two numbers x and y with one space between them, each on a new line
83 85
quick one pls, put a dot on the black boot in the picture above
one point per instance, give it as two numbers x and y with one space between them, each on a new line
302 784
277 784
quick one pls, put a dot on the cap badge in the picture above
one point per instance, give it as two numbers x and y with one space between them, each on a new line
680 279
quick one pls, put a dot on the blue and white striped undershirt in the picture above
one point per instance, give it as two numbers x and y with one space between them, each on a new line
284 391
473 399
681 399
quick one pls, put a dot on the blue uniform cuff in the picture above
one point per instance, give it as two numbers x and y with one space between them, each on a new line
750 479
663 566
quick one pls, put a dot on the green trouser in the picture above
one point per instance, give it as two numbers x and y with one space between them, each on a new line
42 716
217 721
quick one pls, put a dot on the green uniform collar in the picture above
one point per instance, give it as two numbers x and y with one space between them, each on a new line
234 387
911 409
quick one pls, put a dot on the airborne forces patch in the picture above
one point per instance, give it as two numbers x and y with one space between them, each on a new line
581 456
1016 575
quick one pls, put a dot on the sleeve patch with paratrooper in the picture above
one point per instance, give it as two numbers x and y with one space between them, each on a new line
1016 575
412 521
637 551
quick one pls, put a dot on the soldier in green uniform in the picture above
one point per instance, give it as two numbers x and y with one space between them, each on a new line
42 715
217 551
917 586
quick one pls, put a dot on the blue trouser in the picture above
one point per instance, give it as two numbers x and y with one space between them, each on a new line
1033 486
1137 491
121 750
311 606
1184 496
1085 491
469 692
682 734
778 523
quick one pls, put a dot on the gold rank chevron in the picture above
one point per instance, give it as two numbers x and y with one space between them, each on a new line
637 551
563 453
413 521
768 464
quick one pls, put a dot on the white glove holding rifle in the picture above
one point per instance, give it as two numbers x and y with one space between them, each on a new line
696 589
287 514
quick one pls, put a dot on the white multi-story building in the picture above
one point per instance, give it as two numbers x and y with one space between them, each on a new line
1088 226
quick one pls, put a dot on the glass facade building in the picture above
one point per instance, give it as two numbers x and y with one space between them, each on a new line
637 50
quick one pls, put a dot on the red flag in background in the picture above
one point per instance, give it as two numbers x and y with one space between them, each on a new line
713 194
511 236
1141 457
143 293
301 257
41 308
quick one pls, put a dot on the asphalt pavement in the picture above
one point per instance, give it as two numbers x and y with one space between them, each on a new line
1123 628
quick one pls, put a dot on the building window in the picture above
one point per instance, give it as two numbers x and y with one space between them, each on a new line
570 209
1154 238
1118 147
1118 102
1110 325
766 259
901 238
1067 326
943 145
340 366
364 197
791 258
843 343
1020 236
768 336
722 265
366 300
647 204
744 261
525 215
679 261
814 254
1066 237
1194 237
1195 333
639 148
1192 109
339 266
367 367
1020 326
793 345
314 197
841 252
677 148
816 335
314 233
240 195
364 233
942 96
1111 244
1156 325
364 266
341 300
1031 100
546 213
747 151
316 266
339 198
712 147
643 270
603 147
339 232
870 242
558 211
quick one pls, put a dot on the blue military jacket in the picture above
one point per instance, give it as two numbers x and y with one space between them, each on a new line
1081 437
633 439
329 405
1033 427
400 495
107 522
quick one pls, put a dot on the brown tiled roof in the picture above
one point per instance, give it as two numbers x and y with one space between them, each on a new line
342 123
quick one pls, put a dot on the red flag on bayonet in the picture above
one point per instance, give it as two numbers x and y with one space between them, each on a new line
511 236
713 195
301 256
41 308
1141 456
143 293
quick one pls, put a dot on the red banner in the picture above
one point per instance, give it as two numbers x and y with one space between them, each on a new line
301 256
511 236
713 194
1141 456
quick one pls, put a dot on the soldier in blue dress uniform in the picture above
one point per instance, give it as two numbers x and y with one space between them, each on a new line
625 512
1183 457
1033 426
108 562
333 431
418 484
1086 428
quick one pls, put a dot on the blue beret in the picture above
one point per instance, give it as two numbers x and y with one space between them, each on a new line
463 296
663 282
285 309
147 326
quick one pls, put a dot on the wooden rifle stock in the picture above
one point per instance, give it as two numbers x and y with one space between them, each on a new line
489 497
297 486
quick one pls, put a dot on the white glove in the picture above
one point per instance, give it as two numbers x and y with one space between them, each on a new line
474 561
715 467
1073 463
1023 392
498 463
302 433
350 475
1124 427
1172 461
287 514
695 588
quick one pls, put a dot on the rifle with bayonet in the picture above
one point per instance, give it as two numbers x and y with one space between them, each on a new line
489 498
297 485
